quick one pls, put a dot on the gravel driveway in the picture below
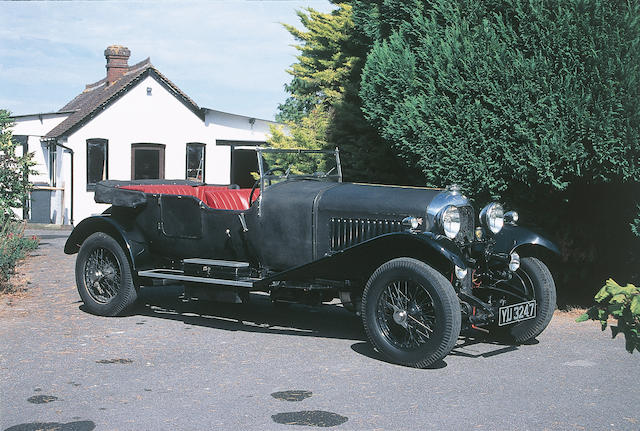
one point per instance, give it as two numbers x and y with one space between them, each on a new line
258 367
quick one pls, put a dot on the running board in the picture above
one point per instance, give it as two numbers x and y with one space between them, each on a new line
175 274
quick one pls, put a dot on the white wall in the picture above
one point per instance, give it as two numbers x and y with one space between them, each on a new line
136 117
159 118
35 127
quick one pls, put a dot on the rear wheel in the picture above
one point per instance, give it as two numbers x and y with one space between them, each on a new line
103 276
411 313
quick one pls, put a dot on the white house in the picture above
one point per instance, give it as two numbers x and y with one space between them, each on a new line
133 124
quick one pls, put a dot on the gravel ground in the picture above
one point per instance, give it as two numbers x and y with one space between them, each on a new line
258 367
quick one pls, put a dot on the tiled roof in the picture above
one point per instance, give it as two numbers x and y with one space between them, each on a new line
98 96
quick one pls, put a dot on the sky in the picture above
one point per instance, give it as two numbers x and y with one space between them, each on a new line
227 55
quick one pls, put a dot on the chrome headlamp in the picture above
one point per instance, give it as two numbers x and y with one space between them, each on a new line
449 221
492 217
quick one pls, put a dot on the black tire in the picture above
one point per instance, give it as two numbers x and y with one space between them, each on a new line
534 276
103 276
431 307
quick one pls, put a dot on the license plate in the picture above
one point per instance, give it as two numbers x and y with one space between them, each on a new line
516 313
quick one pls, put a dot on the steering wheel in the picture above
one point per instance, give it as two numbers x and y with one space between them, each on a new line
270 171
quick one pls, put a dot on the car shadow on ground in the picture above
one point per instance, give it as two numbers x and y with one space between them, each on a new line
478 345
262 316
259 315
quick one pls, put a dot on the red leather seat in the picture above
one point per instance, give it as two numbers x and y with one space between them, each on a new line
229 199
217 197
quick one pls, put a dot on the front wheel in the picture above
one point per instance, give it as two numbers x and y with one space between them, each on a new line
103 276
411 313
532 280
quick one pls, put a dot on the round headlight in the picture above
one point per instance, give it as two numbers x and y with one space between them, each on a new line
450 221
492 217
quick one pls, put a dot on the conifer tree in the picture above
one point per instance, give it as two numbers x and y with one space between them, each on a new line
534 103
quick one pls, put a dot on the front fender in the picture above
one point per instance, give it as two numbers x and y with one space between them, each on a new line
360 260
512 237
130 238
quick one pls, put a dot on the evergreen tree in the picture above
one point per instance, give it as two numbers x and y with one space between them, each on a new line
535 103
326 79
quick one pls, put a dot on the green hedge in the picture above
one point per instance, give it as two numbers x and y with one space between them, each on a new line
535 103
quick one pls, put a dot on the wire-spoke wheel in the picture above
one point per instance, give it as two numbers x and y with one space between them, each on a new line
411 313
103 276
405 314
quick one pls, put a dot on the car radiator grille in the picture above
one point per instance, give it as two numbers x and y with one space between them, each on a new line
346 232
466 225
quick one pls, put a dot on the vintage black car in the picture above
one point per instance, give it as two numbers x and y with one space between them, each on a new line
411 261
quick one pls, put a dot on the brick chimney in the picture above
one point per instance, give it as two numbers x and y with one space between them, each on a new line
117 62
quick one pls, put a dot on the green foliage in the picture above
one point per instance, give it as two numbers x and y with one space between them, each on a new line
13 247
14 170
621 303
323 64
309 133
326 79
535 103
492 94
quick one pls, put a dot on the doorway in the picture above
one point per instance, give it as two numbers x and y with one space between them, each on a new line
243 163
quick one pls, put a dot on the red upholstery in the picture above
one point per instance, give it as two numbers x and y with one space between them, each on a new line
217 197
229 199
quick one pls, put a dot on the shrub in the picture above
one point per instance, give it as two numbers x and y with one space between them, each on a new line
621 303
14 170
13 247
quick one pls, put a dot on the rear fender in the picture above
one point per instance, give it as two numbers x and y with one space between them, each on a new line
359 262
131 239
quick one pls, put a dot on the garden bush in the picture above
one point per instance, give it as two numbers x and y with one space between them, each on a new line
621 303
14 245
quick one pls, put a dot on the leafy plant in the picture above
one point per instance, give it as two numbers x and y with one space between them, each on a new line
14 170
14 246
623 304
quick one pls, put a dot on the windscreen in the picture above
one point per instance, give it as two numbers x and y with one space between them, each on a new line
278 165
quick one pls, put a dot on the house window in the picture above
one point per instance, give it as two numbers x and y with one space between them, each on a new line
52 163
195 161
97 161
21 140
147 161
